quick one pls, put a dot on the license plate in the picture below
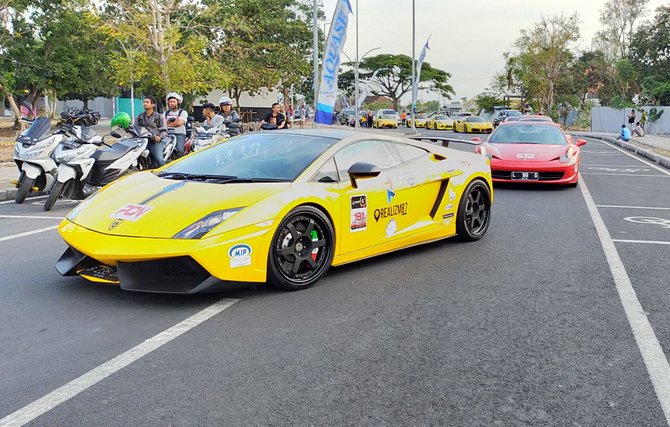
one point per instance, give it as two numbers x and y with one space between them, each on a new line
525 176
103 273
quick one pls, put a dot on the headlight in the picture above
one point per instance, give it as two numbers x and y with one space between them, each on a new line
205 224
569 157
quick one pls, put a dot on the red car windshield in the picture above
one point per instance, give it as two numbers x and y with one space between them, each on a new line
526 133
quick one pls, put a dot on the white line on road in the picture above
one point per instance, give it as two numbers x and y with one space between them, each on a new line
28 233
650 348
28 199
32 217
94 376
633 207
649 242
582 164
625 174
636 158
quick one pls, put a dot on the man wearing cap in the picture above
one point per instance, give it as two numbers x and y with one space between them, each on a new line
176 121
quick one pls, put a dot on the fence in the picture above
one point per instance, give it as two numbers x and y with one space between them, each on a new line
609 120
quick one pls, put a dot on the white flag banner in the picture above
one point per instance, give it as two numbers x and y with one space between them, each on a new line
422 57
337 36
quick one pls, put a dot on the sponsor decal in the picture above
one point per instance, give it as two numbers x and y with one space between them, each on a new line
452 194
240 255
525 156
115 224
391 211
390 194
449 207
359 213
447 218
409 180
131 212
391 228
165 190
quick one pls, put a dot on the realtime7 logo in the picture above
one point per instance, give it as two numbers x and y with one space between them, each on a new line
131 212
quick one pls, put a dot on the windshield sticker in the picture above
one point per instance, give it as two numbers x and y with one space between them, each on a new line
240 255
391 211
131 212
165 190
391 228
359 213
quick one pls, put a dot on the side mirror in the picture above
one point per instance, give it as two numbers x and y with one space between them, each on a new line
477 139
361 170
580 142
115 134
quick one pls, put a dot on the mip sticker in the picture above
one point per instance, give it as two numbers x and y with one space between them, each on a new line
240 255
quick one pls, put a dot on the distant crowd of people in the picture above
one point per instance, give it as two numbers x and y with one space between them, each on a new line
634 128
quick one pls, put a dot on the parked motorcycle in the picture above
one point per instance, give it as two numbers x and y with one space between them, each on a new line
86 162
202 138
33 155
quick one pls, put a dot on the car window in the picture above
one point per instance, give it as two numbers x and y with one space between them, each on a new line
474 119
408 152
327 172
374 152
528 133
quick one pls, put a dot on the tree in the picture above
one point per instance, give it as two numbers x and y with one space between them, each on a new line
619 19
650 56
9 13
391 76
487 100
543 55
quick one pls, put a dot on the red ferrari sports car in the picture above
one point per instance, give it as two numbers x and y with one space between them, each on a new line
533 152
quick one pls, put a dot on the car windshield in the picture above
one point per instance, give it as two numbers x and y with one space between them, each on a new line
264 156
536 119
474 119
441 117
348 112
387 116
512 113
528 134
389 112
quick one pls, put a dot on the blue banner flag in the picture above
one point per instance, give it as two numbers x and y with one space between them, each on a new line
325 103
422 57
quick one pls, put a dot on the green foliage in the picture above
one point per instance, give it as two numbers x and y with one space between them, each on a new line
584 116
654 114
649 56
486 101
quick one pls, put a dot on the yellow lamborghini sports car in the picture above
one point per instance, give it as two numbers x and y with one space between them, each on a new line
275 207
385 119
421 121
473 124
440 122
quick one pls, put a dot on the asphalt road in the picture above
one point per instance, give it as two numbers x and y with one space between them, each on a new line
524 327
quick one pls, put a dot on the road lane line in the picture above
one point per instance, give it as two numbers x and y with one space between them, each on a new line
633 207
60 218
27 200
625 174
28 233
62 394
649 242
647 343
636 158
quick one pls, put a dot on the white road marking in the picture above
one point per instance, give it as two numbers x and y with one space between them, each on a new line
94 376
625 174
32 217
647 343
633 207
28 199
28 233
649 242
636 158
649 220
608 166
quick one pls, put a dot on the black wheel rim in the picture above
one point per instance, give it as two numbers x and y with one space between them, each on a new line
301 249
476 211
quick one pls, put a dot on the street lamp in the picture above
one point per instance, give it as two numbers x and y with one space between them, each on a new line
356 81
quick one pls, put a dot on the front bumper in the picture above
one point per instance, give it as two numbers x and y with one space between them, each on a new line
502 171
180 266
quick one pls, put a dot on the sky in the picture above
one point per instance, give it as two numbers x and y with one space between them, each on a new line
468 38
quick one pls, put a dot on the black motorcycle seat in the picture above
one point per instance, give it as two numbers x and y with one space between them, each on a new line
115 152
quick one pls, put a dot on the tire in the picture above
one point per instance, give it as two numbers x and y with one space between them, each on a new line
24 188
53 195
288 253
474 211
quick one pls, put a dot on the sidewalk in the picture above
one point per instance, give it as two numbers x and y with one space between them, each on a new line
652 147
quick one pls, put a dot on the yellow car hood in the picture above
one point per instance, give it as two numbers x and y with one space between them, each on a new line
144 205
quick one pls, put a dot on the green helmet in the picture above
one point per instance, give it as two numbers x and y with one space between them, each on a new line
121 119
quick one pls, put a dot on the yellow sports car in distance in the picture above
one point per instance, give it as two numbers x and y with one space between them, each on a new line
385 119
473 124
275 207
421 121
440 122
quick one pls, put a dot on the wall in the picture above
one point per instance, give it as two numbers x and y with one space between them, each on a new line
609 120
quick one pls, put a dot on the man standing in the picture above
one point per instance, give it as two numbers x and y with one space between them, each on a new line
176 121
631 119
643 119
230 117
157 127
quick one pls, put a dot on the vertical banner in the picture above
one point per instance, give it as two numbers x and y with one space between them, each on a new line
325 102
422 57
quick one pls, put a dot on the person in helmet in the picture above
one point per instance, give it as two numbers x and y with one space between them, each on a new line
176 121
155 123
230 117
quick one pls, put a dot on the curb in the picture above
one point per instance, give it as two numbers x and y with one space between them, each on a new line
661 160
10 193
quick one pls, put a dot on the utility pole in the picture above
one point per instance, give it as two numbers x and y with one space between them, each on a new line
413 112
356 117
315 58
